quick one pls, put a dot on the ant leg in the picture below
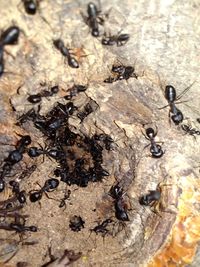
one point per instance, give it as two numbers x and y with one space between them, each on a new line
50 197
169 118
9 53
160 143
184 91
183 101
163 107
156 212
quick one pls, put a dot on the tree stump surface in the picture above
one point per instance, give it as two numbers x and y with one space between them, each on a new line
164 49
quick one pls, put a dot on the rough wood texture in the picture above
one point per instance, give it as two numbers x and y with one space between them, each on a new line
164 48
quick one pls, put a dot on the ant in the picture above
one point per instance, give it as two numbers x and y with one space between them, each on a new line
153 199
29 115
74 90
59 44
8 37
93 20
6 169
95 149
170 95
16 155
119 39
49 186
117 194
97 173
122 73
189 130
19 228
68 257
155 149
198 120
19 194
76 223
101 228
66 196
53 153
23 143
55 119
27 172
36 98
31 6
88 109
106 139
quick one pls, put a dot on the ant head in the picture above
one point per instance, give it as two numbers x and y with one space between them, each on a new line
150 132
116 191
144 200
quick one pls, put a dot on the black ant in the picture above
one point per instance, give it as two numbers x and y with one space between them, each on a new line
59 44
170 95
121 72
31 115
76 223
6 169
198 120
53 153
23 143
101 228
20 195
49 186
8 37
16 155
88 109
93 20
27 172
66 196
106 139
97 173
189 130
151 198
119 39
124 72
55 119
95 149
155 149
19 228
117 194
154 199
36 98
31 6
74 90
